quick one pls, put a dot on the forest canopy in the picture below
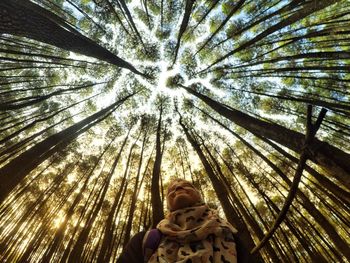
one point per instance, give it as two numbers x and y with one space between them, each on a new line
103 102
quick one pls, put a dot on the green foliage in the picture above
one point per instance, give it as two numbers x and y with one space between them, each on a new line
154 7
75 182
174 81
189 64
227 7
142 15
214 24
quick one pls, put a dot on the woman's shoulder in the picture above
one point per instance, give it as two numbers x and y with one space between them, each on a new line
151 241
133 252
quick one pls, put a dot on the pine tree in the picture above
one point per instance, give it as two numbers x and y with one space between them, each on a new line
215 92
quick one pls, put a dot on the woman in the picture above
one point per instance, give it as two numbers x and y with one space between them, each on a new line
191 232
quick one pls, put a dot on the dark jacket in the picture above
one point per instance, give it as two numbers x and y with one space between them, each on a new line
133 251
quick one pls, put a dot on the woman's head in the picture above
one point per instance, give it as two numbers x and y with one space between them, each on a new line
181 194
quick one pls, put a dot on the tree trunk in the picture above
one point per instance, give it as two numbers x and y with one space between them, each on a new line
214 3
134 194
222 195
333 159
237 201
322 179
24 18
232 12
108 232
12 173
157 205
318 216
188 9
307 10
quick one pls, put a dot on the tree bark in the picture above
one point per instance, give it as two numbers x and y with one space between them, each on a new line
13 172
333 159
188 9
24 18
241 207
222 195
134 194
318 216
157 205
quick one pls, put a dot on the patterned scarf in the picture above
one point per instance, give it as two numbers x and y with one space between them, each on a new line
195 235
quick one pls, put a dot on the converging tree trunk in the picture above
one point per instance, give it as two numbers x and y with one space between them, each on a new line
135 193
333 159
157 205
307 9
232 216
24 18
12 173
186 18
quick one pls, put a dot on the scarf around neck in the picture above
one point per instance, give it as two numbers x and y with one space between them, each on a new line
195 235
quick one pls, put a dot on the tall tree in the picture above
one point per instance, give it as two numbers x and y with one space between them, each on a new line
24 18
330 157
232 216
64 195
157 204
307 9
136 184
184 23
13 172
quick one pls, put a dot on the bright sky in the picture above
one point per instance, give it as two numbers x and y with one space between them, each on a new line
165 73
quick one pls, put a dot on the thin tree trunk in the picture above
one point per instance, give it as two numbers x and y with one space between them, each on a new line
214 3
318 216
134 194
288 7
307 10
12 173
157 205
232 12
78 249
186 18
108 229
131 20
246 215
322 179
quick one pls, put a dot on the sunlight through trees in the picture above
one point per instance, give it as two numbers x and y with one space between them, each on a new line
102 102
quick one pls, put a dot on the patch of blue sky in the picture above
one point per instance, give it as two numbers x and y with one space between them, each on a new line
72 10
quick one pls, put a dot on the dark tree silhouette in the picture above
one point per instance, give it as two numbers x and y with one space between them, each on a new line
215 92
